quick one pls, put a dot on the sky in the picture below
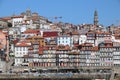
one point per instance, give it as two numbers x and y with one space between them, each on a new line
71 11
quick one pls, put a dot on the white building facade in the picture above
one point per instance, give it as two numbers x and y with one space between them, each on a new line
65 40
82 39
21 49
17 20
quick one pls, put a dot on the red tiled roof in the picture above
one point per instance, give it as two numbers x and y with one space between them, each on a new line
15 41
76 45
75 33
95 48
90 48
37 37
74 53
62 47
29 38
20 16
87 44
6 18
23 44
31 48
50 34
100 32
90 32
32 31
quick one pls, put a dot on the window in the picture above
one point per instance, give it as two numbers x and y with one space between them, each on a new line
16 48
20 48
81 41
23 52
24 49
16 53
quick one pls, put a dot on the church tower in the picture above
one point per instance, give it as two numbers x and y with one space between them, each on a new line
96 18
28 13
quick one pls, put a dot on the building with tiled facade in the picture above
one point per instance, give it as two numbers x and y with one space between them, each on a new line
49 45
55 49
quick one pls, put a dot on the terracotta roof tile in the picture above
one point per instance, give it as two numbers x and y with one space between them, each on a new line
95 48
32 31
75 33
6 18
19 16
62 47
23 44
74 53
31 48
100 32
87 44
50 34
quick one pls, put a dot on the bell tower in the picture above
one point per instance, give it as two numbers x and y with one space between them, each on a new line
96 18
28 13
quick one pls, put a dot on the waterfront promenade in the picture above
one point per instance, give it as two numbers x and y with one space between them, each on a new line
56 76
